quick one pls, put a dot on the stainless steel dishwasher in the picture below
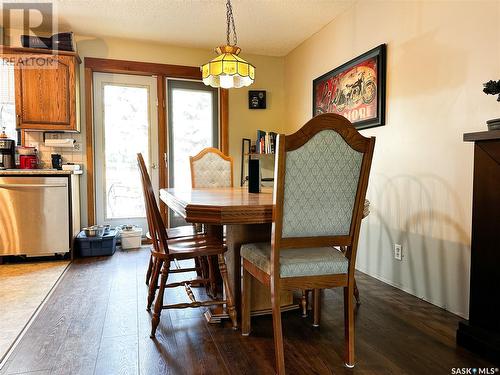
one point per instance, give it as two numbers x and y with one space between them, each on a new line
34 215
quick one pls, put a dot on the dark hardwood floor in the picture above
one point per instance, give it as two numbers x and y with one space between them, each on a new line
95 322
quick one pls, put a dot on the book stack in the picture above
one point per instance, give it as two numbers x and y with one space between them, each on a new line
266 142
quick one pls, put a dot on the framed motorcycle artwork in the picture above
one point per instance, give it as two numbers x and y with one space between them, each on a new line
355 90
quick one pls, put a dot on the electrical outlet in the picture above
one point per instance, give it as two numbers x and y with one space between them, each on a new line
398 252
78 146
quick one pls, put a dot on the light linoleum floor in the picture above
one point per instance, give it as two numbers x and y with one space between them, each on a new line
23 287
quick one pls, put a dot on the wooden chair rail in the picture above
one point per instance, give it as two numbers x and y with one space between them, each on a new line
194 304
328 121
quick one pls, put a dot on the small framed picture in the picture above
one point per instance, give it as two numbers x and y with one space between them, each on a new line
355 90
256 99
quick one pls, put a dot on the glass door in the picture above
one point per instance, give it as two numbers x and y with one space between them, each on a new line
193 124
125 118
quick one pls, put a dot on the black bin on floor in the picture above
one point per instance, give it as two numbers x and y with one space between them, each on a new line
96 246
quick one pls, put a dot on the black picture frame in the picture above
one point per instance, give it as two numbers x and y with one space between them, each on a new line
256 99
380 54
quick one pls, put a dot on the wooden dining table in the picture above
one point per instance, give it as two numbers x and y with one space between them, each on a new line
247 217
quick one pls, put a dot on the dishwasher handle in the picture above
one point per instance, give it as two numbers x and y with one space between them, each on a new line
31 185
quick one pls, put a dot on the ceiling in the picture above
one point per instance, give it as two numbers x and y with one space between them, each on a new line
267 27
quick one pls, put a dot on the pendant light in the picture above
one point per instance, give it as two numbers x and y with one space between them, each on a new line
228 70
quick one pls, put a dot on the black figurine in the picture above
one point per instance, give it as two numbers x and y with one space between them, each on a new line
492 88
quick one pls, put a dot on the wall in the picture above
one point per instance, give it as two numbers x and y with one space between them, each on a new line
439 54
242 121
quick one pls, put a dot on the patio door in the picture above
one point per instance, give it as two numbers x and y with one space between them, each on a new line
125 118
193 124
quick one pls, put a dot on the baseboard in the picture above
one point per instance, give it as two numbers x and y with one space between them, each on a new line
461 314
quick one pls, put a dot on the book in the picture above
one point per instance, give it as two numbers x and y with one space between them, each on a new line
266 142
261 141
273 138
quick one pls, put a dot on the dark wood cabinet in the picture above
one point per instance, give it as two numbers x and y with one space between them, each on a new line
481 333
47 89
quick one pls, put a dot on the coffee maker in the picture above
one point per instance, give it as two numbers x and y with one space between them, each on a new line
7 152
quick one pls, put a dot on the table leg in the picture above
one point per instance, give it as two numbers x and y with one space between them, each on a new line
236 235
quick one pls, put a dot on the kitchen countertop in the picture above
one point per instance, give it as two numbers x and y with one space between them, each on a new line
37 172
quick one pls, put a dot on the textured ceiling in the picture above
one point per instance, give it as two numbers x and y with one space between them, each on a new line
268 27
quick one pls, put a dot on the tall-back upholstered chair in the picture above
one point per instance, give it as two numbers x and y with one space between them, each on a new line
210 168
321 177
167 252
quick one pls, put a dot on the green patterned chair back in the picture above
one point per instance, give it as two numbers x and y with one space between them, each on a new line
210 168
323 167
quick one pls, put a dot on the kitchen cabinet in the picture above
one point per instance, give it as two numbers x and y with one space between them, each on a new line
47 89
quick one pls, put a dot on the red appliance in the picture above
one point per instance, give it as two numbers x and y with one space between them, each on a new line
27 158
27 162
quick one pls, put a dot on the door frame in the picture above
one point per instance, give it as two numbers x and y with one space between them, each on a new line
161 72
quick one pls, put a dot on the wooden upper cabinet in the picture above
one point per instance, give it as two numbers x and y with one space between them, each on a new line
47 92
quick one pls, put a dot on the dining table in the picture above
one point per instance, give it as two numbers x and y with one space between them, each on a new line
246 217
239 217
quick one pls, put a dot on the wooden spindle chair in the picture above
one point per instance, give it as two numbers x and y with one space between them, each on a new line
166 253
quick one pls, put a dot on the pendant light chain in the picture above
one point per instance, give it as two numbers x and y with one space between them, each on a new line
228 70
230 24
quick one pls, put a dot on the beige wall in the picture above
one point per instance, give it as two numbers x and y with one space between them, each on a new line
439 54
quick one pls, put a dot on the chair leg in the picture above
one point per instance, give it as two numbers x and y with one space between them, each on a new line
150 269
356 293
229 294
317 306
279 350
153 282
349 324
159 298
246 293
211 276
202 263
303 302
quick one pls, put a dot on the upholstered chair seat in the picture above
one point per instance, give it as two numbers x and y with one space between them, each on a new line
314 261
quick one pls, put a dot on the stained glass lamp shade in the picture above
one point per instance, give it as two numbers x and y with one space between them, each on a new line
228 70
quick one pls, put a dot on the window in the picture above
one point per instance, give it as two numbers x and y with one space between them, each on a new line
126 132
7 100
